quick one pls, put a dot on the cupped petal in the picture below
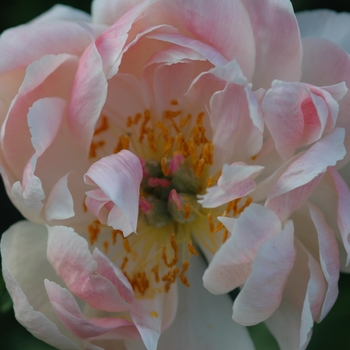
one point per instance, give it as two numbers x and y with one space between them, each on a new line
301 177
70 315
297 114
203 321
62 13
232 264
263 290
119 177
236 181
277 41
55 38
91 280
329 258
24 267
325 24
88 95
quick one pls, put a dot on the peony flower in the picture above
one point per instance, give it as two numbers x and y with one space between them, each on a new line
155 136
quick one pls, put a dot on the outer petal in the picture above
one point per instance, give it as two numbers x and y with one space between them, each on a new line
235 182
119 177
84 276
203 321
277 42
303 174
262 292
232 264
70 315
24 267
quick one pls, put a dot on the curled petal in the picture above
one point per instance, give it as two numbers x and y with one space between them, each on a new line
263 290
119 177
232 264
236 181
91 278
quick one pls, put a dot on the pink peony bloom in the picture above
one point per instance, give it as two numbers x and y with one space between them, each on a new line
134 139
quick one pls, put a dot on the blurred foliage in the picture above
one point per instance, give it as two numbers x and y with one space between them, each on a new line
331 333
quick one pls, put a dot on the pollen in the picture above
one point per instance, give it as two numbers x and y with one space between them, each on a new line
176 250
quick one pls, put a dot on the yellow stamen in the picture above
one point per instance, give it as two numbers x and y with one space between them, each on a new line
182 276
164 166
103 127
105 246
176 249
211 223
191 248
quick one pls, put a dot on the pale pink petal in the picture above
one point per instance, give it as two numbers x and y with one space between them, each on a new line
343 209
109 11
55 38
329 258
262 292
326 24
278 51
39 82
119 177
70 315
233 36
232 264
292 322
62 13
203 321
88 95
110 44
24 267
236 181
70 256
297 115
59 204
305 171
321 55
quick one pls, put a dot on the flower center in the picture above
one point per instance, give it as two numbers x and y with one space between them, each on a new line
176 154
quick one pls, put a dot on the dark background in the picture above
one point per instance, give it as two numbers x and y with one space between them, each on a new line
332 333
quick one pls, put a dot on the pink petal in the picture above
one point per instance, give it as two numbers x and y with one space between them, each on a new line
343 209
329 258
88 96
97 284
70 315
119 177
277 42
306 171
236 181
55 38
297 115
292 322
232 264
233 36
262 292
59 204
24 267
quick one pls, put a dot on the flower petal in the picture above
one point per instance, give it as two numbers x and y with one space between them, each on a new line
232 264
277 42
262 292
119 177
98 285
24 267
236 181
70 315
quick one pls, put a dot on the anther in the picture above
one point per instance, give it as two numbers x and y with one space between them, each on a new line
191 248
103 127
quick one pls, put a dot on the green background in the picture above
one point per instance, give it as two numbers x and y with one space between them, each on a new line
333 333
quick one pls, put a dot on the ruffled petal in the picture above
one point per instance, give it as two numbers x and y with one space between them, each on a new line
232 263
24 267
86 277
262 292
70 315
299 180
236 181
119 177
